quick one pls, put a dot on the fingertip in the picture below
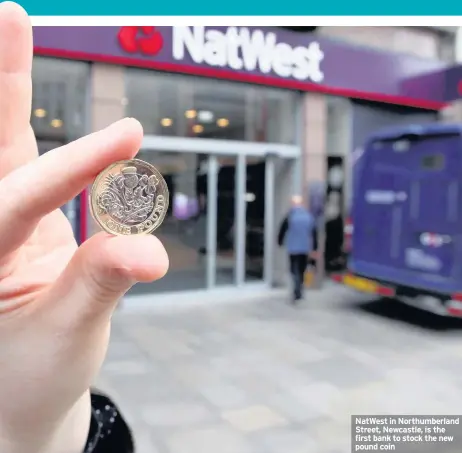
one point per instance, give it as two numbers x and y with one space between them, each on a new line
128 133
14 11
135 124
15 38
14 21
117 142
128 125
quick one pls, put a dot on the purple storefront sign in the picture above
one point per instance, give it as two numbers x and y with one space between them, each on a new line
453 83
266 56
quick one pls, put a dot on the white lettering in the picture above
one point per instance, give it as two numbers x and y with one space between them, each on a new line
282 64
380 197
311 65
257 50
234 42
191 40
239 49
418 259
215 48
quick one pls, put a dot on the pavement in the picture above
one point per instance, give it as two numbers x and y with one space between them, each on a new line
262 376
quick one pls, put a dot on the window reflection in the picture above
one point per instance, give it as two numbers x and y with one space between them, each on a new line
255 215
185 106
59 99
59 110
183 232
226 221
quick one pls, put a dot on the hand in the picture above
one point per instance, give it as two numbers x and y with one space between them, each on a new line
56 300
313 255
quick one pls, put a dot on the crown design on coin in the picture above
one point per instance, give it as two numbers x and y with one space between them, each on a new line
129 171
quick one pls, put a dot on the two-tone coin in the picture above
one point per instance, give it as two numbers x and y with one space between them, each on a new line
129 197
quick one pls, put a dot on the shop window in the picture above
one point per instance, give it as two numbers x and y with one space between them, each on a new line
59 99
186 106
59 112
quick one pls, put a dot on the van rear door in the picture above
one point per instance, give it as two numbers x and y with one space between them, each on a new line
406 213
434 210
380 204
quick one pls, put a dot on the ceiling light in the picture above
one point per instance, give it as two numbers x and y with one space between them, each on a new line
40 113
197 128
190 114
56 123
222 122
205 116
166 122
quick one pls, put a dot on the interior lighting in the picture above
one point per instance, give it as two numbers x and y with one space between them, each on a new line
56 123
40 113
205 116
222 122
190 114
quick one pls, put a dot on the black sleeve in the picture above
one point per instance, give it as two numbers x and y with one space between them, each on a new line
109 432
283 230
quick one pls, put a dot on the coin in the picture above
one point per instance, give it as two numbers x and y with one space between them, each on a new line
129 197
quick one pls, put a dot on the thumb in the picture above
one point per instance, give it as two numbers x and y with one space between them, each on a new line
102 270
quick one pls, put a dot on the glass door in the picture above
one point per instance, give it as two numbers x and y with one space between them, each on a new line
254 201
219 228
226 253
240 225
250 218
184 230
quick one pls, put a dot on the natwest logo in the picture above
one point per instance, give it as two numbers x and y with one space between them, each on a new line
145 40
241 49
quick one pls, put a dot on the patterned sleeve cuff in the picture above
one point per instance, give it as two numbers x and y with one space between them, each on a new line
94 433
108 429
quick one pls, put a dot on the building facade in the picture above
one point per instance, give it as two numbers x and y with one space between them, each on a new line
237 119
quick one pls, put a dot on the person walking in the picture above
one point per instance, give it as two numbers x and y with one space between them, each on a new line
297 233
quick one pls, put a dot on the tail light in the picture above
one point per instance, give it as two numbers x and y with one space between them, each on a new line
347 235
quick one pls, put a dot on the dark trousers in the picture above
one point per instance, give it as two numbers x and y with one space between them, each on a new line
298 265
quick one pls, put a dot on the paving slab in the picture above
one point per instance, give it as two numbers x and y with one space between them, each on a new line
264 376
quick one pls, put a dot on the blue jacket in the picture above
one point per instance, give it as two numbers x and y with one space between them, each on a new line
297 232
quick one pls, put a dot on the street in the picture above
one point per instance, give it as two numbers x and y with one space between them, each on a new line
268 377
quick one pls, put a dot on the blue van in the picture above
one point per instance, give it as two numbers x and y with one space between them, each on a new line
406 218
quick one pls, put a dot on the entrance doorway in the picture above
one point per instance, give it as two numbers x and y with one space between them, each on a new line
219 231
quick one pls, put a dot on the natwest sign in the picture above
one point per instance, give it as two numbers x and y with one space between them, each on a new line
239 48
268 56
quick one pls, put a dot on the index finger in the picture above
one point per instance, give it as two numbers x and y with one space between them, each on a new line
34 190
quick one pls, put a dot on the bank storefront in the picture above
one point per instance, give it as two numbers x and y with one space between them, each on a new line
227 121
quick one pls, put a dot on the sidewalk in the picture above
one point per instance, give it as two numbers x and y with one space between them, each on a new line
261 376
180 301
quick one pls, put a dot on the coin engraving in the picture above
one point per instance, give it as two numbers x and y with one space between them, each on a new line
129 197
